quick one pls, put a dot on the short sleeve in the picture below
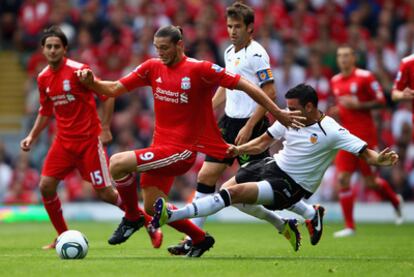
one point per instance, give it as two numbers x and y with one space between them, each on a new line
260 64
401 80
276 131
214 74
139 77
46 105
375 89
344 140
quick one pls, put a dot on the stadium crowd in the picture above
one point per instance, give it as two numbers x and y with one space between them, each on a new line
301 37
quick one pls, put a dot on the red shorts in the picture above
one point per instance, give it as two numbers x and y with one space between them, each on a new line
347 162
88 156
160 164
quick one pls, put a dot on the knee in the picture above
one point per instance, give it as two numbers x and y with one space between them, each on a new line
47 188
371 183
344 180
116 165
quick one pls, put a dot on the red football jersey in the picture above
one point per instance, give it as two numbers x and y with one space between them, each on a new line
362 85
182 102
73 105
405 76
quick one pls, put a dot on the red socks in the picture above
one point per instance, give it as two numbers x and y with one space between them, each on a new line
54 210
196 234
128 202
387 192
346 199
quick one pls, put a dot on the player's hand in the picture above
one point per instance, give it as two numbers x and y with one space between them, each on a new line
292 119
232 151
85 76
105 136
244 135
408 94
349 102
387 157
26 143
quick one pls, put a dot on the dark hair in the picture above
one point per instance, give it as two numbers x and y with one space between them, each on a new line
241 11
347 46
54 31
175 33
304 93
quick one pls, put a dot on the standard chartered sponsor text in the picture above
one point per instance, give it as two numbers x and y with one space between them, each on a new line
166 95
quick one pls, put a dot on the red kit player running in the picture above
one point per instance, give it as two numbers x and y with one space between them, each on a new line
79 138
357 93
184 125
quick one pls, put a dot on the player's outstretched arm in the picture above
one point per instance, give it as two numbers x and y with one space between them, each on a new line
253 147
386 157
39 125
286 118
108 88
219 97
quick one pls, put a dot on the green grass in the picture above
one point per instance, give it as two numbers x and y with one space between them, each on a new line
240 250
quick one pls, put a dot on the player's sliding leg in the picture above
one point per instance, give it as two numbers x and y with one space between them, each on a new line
52 204
201 240
248 193
313 216
346 200
207 178
386 191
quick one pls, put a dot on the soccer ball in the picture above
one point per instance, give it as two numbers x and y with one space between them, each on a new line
72 245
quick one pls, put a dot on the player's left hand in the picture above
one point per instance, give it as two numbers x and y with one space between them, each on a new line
106 136
349 102
244 135
387 157
232 151
293 119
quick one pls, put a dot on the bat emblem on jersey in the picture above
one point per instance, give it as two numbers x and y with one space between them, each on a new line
185 83
257 55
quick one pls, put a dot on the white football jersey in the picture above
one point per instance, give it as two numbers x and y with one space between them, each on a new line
251 62
307 152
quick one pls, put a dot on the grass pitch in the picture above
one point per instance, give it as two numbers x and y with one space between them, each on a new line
240 250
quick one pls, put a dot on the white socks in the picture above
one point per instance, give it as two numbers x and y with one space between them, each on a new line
261 212
202 207
303 209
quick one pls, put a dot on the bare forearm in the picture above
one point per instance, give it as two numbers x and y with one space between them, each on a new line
39 125
255 146
259 96
108 88
219 97
398 95
108 110
370 105
260 112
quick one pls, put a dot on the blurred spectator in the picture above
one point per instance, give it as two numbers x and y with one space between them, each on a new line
287 75
8 21
24 182
5 171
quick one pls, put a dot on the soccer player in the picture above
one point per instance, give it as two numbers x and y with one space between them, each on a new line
79 139
184 125
357 93
295 172
243 119
403 89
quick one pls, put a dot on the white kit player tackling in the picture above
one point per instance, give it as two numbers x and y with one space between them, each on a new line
293 173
